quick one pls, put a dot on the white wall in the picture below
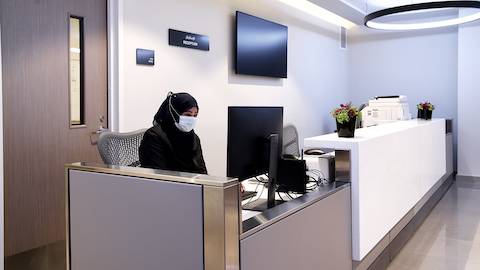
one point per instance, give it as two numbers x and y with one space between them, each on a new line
113 62
419 64
317 68
468 99
2 239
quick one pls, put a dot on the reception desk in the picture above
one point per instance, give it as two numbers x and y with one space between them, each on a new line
122 218
391 169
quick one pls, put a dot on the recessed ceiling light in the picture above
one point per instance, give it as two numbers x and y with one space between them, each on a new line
370 20
319 12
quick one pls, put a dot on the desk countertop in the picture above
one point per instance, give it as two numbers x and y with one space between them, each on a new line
171 176
364 134
279 212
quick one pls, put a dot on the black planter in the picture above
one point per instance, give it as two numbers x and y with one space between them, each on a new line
347 129
425 114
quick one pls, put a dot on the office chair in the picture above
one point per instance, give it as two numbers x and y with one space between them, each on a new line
290 141
314 158
120 148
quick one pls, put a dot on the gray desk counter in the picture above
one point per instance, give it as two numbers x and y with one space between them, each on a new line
121 218
271 216
309 232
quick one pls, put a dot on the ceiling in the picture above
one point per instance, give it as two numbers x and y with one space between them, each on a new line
355 10
368 6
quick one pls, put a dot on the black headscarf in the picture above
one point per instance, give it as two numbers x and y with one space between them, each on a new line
183 142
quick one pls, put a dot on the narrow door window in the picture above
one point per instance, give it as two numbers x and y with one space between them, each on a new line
77 116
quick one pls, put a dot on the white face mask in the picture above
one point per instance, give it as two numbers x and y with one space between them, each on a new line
186 123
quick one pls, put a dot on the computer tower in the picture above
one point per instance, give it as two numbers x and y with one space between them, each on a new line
292 176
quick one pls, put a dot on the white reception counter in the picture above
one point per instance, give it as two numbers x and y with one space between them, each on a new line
391 167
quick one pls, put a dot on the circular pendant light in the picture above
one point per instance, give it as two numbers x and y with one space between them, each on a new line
371 20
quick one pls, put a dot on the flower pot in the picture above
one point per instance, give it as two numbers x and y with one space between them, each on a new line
347 129
425 114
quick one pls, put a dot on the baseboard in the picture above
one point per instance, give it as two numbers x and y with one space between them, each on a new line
469 175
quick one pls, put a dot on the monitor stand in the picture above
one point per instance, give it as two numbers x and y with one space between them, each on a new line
262 204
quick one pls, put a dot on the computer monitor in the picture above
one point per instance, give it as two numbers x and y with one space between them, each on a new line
255 145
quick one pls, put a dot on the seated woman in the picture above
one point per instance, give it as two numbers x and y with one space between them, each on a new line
171 144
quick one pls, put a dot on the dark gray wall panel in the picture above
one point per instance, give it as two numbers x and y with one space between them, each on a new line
317 237
124 223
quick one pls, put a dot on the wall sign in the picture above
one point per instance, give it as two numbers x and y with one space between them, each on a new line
145 57
188 40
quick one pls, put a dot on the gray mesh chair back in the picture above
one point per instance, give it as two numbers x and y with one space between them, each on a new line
290 141
120 148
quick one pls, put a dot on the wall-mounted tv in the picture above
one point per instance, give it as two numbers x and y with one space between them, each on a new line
261 47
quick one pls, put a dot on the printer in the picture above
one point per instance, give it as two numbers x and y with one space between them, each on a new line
385 109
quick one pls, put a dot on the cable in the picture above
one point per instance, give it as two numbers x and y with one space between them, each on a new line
324 181
258 195
317 173
260 180
321 180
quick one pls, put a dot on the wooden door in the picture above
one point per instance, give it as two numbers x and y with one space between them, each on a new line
38 137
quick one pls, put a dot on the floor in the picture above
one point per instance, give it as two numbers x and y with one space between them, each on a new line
450 237
51 257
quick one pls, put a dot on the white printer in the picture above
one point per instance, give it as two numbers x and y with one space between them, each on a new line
385 109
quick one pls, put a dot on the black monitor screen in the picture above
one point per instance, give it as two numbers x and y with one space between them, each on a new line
248 146
261 47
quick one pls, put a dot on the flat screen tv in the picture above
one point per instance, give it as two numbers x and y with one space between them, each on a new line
261 47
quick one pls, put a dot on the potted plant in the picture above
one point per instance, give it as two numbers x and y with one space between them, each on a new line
425 110
346 117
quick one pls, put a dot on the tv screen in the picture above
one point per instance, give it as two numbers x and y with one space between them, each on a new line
261 47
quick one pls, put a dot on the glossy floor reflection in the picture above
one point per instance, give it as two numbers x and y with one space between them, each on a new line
450 236
51 257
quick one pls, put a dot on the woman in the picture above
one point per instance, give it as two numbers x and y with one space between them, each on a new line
171 144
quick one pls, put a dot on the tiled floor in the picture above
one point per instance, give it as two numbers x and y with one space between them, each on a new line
450 236
448 239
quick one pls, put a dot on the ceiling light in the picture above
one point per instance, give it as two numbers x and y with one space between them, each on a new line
319 12
370 18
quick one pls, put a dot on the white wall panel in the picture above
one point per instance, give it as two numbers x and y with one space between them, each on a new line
317 69
468 99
